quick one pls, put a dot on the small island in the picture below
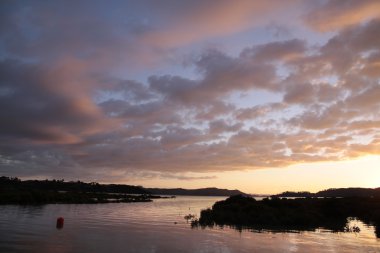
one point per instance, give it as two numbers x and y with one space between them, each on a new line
282 214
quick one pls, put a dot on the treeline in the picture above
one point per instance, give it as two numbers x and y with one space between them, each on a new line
15 191
334 192
15 184
9 183
292 214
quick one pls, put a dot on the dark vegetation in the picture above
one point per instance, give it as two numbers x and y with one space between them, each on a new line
292 214
195 192
15 191
339 192
61 185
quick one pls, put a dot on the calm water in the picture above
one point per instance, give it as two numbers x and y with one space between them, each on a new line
157 226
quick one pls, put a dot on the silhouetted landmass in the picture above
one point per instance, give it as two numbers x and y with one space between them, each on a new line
195 192
292 214
295 194
15 191
335 192
350 192
61 185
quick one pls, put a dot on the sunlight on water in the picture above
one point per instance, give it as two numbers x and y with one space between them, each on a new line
157 226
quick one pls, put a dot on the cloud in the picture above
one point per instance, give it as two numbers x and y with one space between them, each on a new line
45 104
185 177
199 20
70 105
367 99
300 93
319 118
220 76
103 36
277 51
371 65
335 14
221 126
258 111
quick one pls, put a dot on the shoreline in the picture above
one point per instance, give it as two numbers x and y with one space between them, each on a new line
35 197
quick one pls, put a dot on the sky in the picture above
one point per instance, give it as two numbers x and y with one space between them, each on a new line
260 96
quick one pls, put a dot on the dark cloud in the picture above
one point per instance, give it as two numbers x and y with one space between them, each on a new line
300 93
221 126
223 73
37 104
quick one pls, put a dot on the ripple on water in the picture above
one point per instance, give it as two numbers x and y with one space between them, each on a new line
150 227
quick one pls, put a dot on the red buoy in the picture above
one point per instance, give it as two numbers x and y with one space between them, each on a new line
60 221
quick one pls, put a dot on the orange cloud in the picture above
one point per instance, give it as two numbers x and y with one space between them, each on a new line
335 14
208 19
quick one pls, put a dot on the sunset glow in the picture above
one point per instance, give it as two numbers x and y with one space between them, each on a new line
260 96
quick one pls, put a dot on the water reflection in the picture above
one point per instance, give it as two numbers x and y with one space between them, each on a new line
352 225
158 226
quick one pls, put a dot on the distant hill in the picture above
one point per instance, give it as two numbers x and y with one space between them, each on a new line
335 192
195 192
